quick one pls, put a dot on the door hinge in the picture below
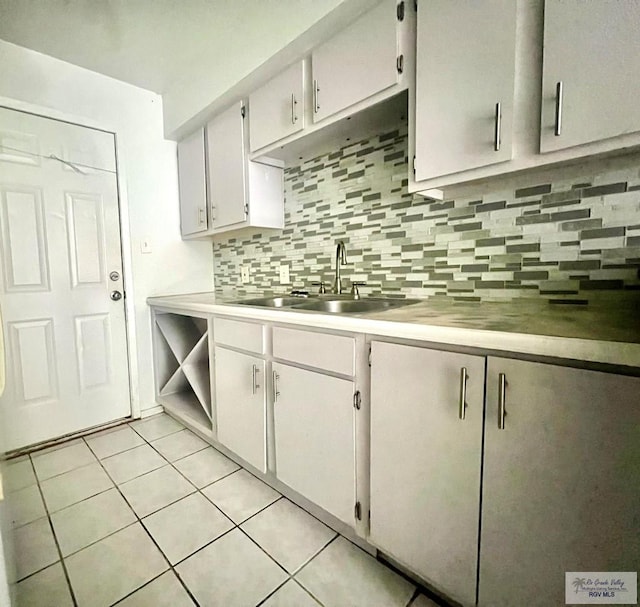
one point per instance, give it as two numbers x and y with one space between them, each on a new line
357 511
400 64
400 11
357 400
243 111
369 356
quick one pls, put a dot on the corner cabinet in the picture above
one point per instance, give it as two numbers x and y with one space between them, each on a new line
462 123
560 480
427 408
591 63
278 107
358 62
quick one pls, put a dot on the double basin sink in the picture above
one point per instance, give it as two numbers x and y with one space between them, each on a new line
331 304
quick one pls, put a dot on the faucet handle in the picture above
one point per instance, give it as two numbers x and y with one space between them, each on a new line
354 288
320 284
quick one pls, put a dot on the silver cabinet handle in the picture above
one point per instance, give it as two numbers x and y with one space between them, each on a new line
201 215
276 393
316 106
462 408
294 117
497 127
254 373
502 397
559 93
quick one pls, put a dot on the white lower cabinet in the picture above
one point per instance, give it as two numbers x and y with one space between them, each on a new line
561 485
241 405
426 450
314 437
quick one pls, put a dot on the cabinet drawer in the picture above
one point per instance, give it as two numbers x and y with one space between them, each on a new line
329 352
237 334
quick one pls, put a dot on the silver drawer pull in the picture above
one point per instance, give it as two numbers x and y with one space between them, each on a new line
294 117
254 372
502 398
316 105
498 127
559 93
462 409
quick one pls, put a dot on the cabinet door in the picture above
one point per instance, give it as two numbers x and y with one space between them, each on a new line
425 463
560 482
240 405
277 108
192 185
593 49
314 429
356 63
227 167
464 120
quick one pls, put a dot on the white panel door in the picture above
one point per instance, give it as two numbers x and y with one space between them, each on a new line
192 182
227 167
60 240
277 107
560 489
465 71
425 463
356 63
315 444
241 405
593 50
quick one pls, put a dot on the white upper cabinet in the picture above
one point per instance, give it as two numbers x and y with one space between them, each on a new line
591 73
242 193
465 69
357 63
192 184
227 167
277 107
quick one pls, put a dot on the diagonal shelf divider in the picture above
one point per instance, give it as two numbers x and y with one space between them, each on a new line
181 333
196 370
166 362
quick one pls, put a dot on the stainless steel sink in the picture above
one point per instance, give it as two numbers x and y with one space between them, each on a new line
352 306
271 302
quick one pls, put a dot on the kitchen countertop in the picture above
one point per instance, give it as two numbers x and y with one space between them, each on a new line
585 333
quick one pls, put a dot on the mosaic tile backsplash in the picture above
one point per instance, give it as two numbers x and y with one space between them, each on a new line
575 242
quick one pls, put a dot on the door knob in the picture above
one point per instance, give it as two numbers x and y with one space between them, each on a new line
116 295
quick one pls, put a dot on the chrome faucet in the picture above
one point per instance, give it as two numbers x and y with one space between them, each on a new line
341 259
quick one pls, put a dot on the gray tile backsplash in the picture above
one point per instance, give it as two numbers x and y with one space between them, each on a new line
576 241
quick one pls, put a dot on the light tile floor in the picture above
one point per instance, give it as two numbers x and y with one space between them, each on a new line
148 514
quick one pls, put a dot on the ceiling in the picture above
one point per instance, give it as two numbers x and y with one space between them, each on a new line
151 43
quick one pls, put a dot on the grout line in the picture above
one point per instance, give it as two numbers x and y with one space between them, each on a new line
55 539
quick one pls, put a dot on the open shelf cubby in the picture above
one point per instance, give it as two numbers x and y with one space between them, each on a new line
182 370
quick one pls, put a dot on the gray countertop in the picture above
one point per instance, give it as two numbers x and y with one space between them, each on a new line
588 333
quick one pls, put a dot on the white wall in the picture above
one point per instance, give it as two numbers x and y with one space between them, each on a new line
147 169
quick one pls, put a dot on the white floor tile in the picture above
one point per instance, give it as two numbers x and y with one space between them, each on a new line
291 595
26 505
179 445
61 459
35 547
47 588
74 486
241 495
155 490
18 474
157 426
165 591
232 572
288 533
342 574
182 528
114 567
135 462
206 466
91 520
112 441
422 601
